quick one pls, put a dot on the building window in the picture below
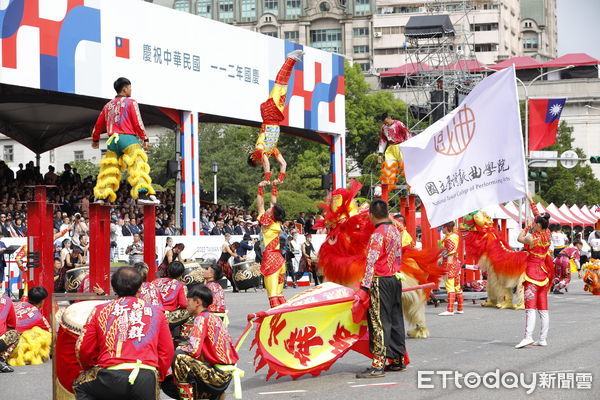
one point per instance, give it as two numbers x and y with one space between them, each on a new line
204 8
293 9
389 30
361 49
360 31
324 7
387 52
490 6
484 27
78 155
226 10
292 35
365 67
8 153
327 39
272 34
399 10
182 5
271 6
362 7
530 43
248 10
483 47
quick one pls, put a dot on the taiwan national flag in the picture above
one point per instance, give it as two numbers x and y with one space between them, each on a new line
543 122
122 47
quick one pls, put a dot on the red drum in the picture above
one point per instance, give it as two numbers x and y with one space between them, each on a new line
67 368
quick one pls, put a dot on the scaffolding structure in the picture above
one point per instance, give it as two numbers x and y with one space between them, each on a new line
439 47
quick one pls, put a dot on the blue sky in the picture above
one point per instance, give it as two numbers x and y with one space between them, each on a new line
579 27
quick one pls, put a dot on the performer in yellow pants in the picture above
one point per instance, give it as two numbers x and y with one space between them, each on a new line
273 264
392 133
452 264
121 119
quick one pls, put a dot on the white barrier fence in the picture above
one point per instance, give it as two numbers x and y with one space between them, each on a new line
195 247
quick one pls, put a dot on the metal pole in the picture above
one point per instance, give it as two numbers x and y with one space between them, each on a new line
215 188
178 178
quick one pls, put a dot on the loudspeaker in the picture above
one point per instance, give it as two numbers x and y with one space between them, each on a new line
172 169
326 181
438 98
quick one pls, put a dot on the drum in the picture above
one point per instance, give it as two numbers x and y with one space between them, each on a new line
193 273
246 275
74 277
67 368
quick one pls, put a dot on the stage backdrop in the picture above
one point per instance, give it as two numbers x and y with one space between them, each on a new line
174 59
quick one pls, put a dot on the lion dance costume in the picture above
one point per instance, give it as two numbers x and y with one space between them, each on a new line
271 112
390 138
121 119
591 277
343 256
451 263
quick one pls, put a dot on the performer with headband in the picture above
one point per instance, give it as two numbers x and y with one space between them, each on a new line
451 264
273 264
121 119
125 347
272 114
392 133
382 290
537 275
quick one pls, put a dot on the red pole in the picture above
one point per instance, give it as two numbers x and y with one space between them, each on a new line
150 240
504 229
411 219
100 246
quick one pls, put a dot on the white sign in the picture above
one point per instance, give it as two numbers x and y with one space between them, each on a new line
542 156
566 159
473 157
174 59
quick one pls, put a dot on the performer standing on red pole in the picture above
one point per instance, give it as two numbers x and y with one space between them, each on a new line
121 119
382 290
451 263
538 275
392 133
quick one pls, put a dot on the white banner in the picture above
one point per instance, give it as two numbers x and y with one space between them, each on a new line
473 157
174 59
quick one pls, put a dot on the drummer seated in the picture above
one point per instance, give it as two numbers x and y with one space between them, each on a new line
148 292
172 292
28 312
203 368
9 337
125 347
212 275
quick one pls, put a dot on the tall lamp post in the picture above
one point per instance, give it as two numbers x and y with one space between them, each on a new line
215 169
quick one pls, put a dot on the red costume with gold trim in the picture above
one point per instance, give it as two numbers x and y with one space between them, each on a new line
451 264
218 304
123 331
150 294
273 264
9 336
29 316
172 293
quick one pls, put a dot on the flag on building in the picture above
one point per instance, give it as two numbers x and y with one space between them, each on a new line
473 157
122 47
544 115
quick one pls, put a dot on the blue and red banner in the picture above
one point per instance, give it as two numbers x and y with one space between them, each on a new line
544 115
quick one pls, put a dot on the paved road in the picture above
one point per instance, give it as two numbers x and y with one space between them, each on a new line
479 341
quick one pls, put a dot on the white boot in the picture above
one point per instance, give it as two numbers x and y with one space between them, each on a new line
529 325
545 322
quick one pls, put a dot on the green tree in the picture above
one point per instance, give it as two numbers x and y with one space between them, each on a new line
571 186
292 202
85 168
158 156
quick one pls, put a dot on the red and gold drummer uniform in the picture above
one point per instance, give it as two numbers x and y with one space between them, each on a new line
172 293
218 304
273 264
29 316
385 320
9 336
150 294
207 360
124 349
451 264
